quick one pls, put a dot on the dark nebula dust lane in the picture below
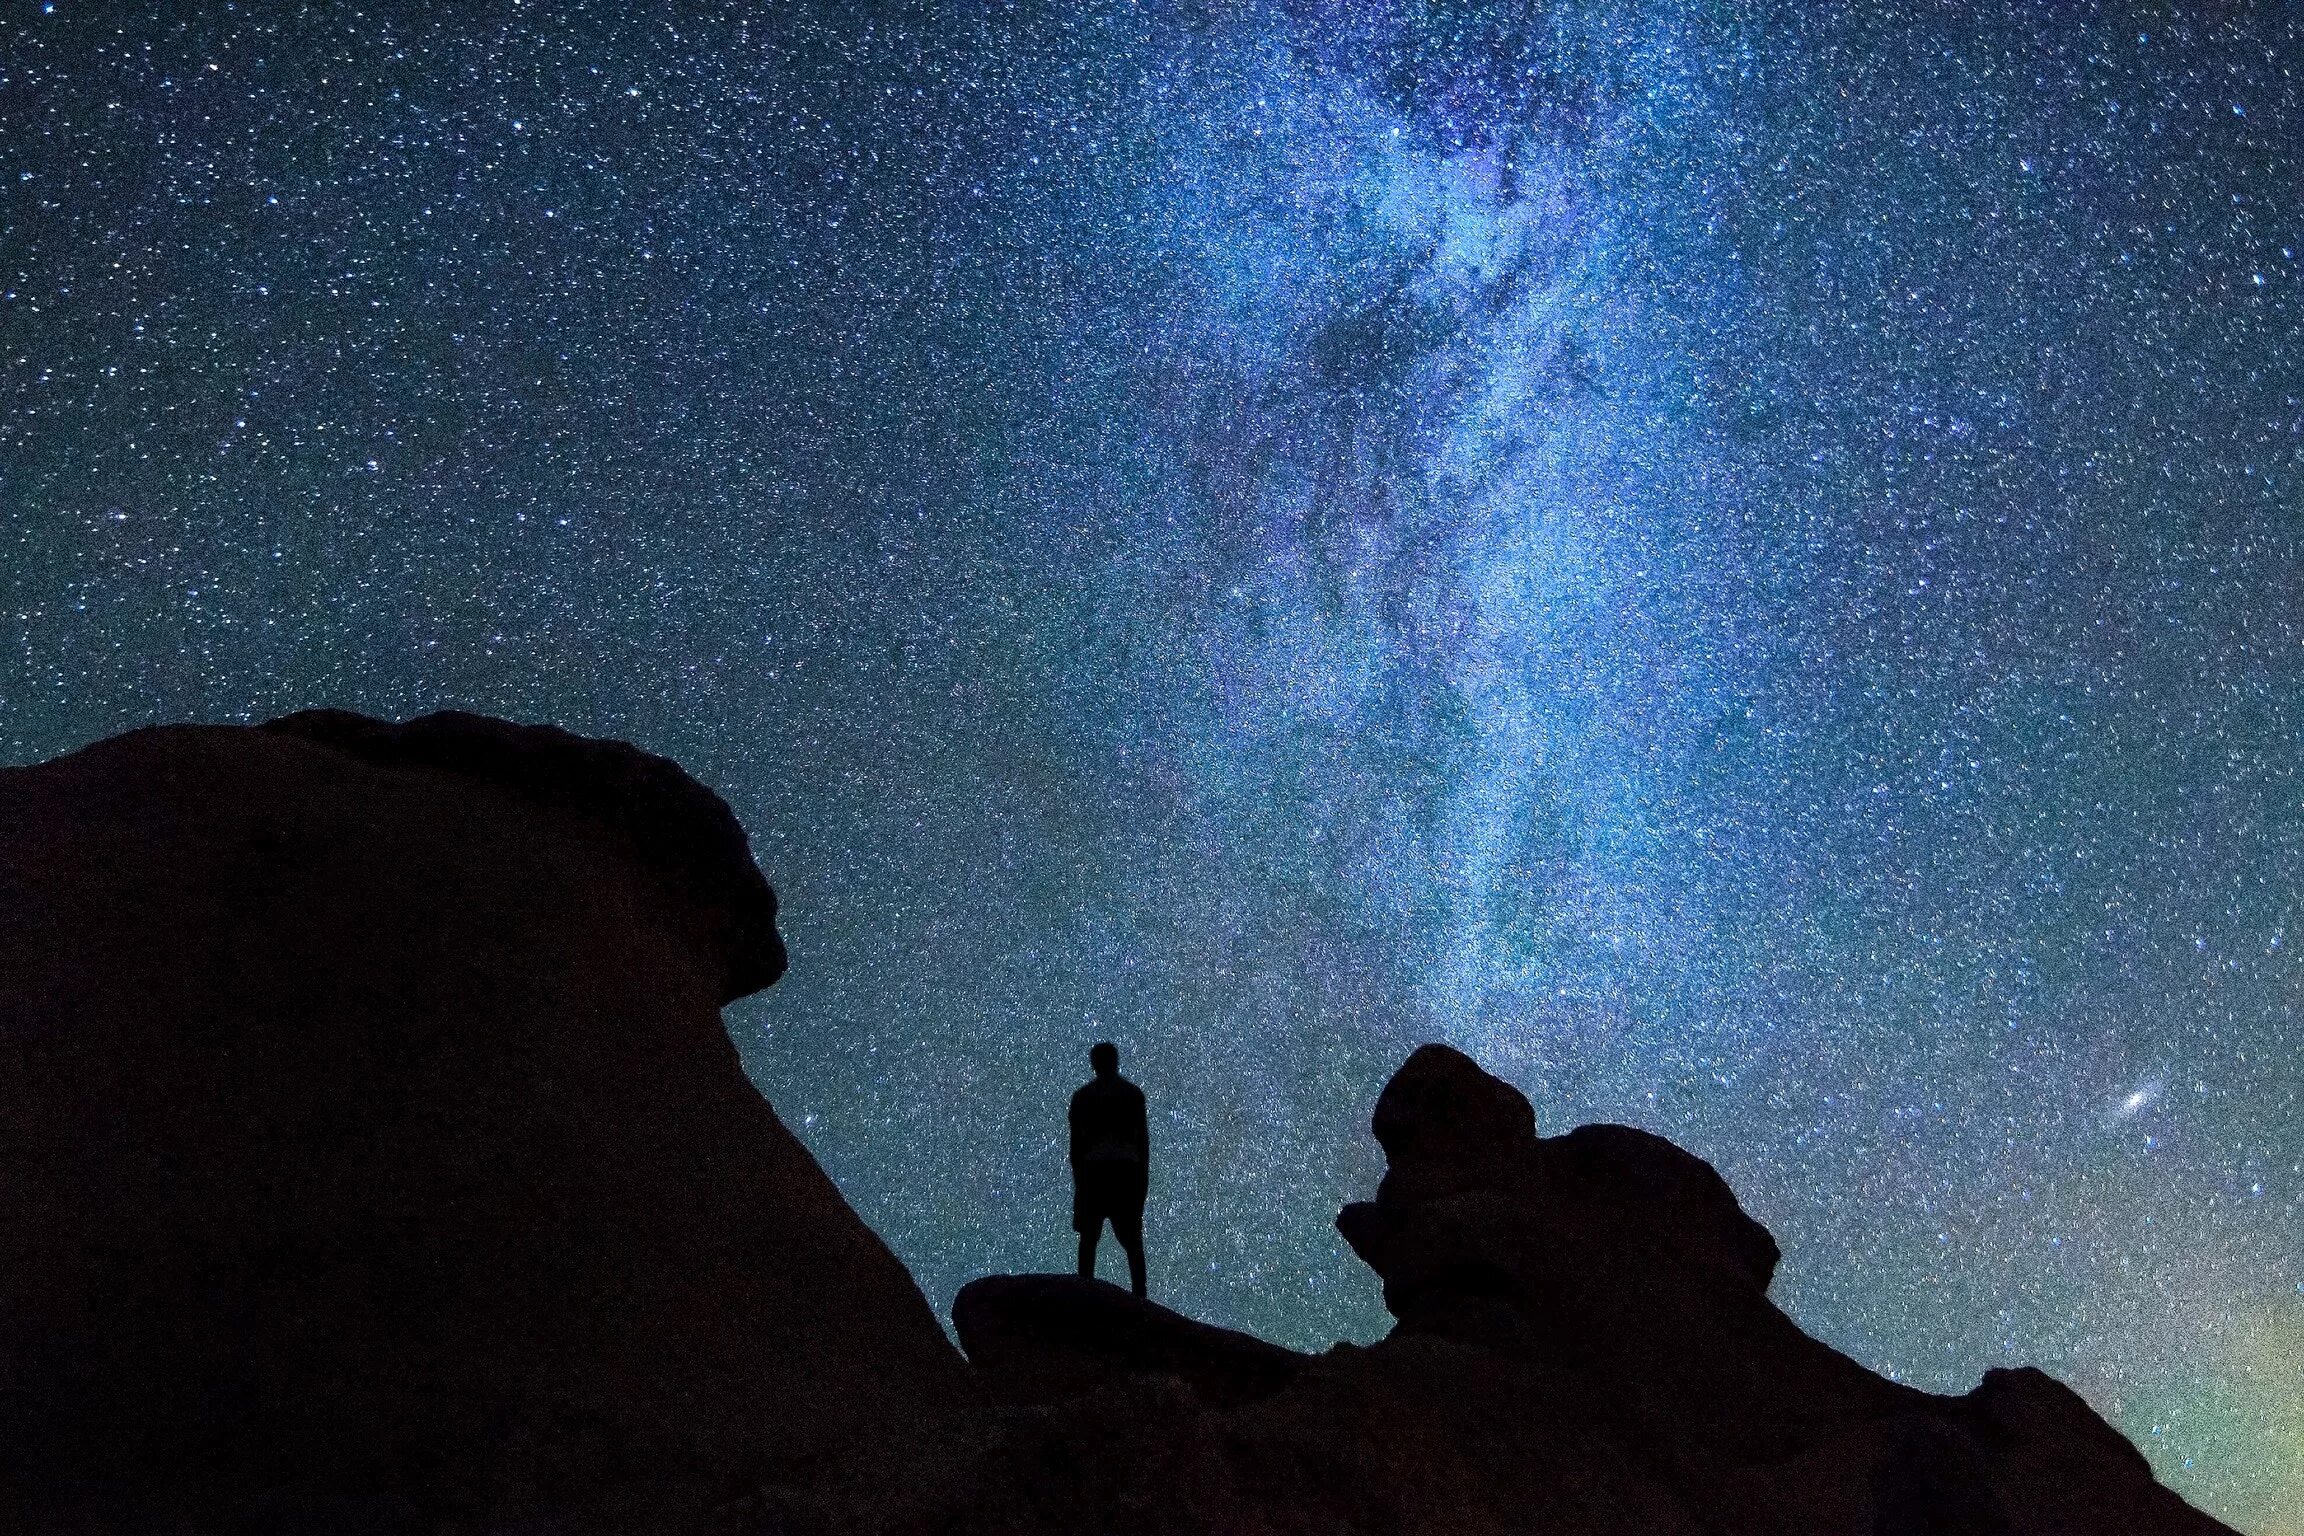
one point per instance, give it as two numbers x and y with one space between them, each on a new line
1745 568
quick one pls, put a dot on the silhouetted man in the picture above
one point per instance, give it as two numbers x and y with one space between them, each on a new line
1111 1163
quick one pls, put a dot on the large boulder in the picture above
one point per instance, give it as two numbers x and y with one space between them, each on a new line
1040 1339
373 1148
1608 1252
1474 1205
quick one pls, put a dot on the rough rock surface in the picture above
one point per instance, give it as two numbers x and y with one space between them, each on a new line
375 1154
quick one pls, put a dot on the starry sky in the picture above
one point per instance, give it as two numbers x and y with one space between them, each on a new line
1744 565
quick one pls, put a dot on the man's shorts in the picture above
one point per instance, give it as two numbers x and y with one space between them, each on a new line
1114 1193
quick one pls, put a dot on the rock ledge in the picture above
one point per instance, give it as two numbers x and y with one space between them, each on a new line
665 820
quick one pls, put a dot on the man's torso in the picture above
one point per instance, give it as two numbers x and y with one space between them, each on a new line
1108 1131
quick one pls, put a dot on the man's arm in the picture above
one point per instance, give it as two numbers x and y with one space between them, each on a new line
1142 1132
1072 1119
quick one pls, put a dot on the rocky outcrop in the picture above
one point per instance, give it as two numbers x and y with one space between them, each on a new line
1479 1222
1607 1253
374 1152
372 1159
1626 1266
657 817
1584 1345
1041 1339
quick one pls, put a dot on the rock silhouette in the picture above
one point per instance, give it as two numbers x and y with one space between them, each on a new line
373 1149
1041 1339
1584 1345
372 1160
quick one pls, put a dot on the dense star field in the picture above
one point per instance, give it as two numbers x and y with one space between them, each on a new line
1745 567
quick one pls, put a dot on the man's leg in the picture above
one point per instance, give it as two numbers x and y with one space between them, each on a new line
1129 1228
1088 1240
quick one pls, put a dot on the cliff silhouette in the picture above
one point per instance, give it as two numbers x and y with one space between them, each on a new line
372 1159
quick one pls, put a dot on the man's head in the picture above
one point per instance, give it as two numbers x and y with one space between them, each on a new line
1104 1056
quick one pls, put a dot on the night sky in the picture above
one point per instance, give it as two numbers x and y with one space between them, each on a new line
1746 568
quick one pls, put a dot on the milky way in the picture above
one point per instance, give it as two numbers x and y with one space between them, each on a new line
1746 568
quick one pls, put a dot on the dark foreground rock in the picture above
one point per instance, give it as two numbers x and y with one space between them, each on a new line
1041 1339
374 1154
1585 1345
372 1160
